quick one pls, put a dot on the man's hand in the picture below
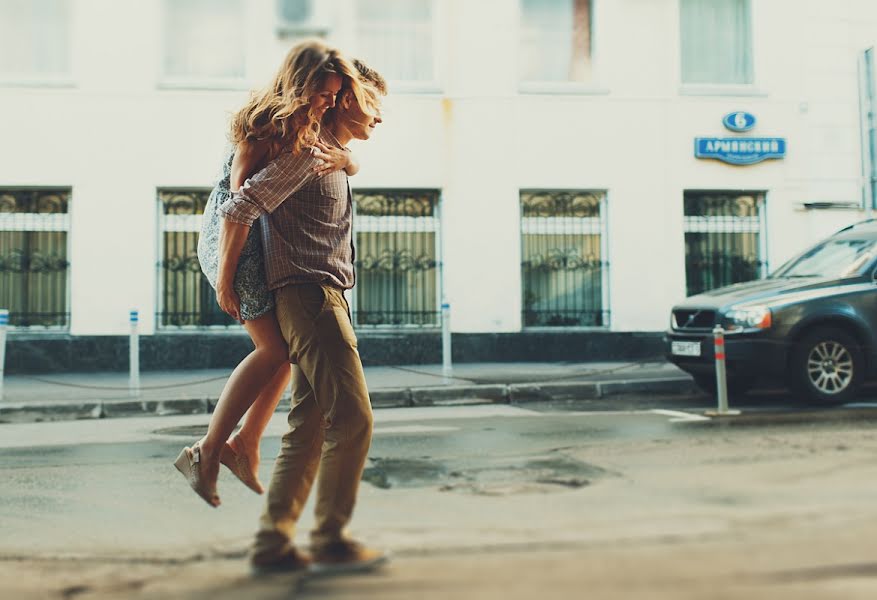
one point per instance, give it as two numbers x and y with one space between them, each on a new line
334 159
229 301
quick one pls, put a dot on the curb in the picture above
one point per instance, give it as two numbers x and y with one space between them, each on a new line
463 395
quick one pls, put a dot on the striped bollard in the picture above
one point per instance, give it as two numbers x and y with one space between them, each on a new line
721 374
447 366
4 323
134 356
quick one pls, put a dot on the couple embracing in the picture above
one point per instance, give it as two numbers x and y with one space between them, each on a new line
276 243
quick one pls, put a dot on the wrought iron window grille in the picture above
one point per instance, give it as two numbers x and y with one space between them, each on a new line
34 265
725 239
186 299
397 259
563 259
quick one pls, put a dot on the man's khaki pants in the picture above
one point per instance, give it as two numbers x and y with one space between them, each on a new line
330 421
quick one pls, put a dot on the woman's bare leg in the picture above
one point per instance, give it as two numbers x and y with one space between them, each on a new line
257 418
246 383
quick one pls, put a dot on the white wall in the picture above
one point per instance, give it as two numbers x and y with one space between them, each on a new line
118 135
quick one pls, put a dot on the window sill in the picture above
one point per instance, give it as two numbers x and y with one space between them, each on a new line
203 84
217 330
563 328
284 31
24 332
568 88
721 90
830 205
35 82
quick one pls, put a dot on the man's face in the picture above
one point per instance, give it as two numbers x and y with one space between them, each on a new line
325 98
360 125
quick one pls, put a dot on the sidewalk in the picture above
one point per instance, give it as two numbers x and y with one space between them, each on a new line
98 395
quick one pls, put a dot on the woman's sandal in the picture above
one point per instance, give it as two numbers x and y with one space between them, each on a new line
189 464
239 465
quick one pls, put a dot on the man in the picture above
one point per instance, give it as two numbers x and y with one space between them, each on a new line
309 262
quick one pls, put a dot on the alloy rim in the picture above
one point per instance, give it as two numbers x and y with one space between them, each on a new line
830 367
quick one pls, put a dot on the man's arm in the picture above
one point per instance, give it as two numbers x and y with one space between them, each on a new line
260 194
266 190
232 237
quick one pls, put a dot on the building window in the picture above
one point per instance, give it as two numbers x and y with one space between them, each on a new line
396 38
186 298
555 42
716 41
302 18
34 270
397 237
564 267
724 239
204 41
34 39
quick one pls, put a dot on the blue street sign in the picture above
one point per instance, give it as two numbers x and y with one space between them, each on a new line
739 121
740 151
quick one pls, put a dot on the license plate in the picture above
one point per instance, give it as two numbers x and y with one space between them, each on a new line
685 348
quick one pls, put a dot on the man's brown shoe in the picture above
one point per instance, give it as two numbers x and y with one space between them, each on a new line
291 562
345 557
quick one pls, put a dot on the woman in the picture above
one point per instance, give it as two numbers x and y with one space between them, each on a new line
284 117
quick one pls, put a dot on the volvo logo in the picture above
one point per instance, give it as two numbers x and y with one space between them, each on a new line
691 318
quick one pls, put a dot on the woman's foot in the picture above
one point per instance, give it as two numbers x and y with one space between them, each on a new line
242 459
200 471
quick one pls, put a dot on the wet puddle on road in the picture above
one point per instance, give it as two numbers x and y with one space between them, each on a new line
504 476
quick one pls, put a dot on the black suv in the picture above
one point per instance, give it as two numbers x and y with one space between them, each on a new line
812 323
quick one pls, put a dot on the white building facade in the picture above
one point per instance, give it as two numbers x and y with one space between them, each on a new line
535 169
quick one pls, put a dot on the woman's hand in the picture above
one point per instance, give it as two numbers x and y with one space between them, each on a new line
334 159
229 301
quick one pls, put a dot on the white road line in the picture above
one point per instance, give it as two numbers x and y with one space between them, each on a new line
414 429
679 416
431 413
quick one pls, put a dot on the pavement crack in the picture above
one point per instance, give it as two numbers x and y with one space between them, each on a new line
822 573
75 590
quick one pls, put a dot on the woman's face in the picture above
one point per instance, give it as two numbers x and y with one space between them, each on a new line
324 99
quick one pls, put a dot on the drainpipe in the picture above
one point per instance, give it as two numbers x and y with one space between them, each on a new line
868 112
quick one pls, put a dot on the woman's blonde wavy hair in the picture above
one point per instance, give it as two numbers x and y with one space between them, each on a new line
280 113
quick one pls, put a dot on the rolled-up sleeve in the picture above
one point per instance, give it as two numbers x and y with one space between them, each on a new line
266 190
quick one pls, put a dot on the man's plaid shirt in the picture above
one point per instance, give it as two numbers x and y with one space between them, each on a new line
306 220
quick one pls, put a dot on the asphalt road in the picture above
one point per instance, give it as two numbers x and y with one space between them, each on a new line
464 497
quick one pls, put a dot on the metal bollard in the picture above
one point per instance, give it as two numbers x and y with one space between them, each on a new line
447 366
4 323
134 357
721 374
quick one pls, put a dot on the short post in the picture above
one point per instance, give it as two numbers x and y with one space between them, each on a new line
447 366
4 323
134 356
721 374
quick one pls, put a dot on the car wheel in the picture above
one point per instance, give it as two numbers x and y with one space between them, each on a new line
737 385
827 365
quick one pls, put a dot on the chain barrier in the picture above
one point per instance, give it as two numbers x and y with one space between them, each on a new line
439 376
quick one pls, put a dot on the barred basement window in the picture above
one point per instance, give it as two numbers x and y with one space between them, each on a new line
185 296
34 270
724 239
397 236
563 250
